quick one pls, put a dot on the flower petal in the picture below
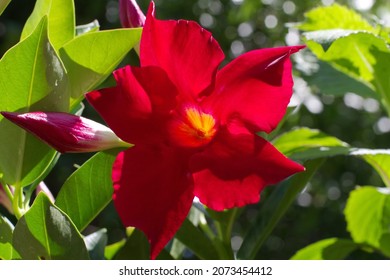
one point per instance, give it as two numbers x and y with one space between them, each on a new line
188 53
67 133
235 168
135 108
255 88
153 192
130 14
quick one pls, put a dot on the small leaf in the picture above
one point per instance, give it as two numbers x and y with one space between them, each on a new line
305 143
3 5
334 16
61 20
135 248
378 159
88 190
45 232
274 209
32 78
96 243
91 57
368 217
195 240
6 229
327 249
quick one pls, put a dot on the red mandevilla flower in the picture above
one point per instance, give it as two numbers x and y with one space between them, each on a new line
194 126
130 14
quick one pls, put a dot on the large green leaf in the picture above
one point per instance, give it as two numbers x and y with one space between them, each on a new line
88 190
3 5
274 209
306 143
6 229
334 16
327 249
61 20
368 217
32 78
90 58
45 232
378 159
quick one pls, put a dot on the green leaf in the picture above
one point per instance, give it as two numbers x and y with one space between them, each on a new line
88 190
274 209
91 57
327 249
3 5
96 243
135 248
32 78
45 232
61 17
6 229
333 82
368 217
195 240
378 159
334 16
305 143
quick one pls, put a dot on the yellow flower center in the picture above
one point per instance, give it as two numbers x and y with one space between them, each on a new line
193 128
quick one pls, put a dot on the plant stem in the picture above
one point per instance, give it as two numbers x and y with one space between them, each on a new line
17 202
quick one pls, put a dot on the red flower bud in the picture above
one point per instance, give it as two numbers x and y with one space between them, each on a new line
130 14
66 132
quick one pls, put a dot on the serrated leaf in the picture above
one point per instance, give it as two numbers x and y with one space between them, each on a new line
6 229
274 209
91 57
3 5
378 159
334 16
32 78
61 17
88 190
327 249
368 217
305 143
96 243
45 232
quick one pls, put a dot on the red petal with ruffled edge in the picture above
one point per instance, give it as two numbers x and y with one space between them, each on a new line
136 108
188 53
235 168
153 192
254 88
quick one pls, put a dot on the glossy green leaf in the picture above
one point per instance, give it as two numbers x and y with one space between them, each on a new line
274 209
330 81
96 243
327 249
6 229
91 57
3 5
306 143
88 190
368 217
334 17
378 159
45 232
136 247
61 20
32 78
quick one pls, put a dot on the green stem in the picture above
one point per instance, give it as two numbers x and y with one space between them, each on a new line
7 190
224 229
17 202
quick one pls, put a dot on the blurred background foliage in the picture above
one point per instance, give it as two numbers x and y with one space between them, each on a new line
240 26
